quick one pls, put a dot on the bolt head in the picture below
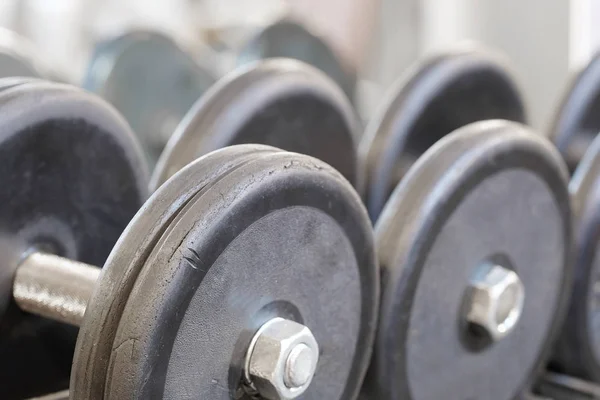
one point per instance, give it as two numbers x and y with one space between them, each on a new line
495 301
282 360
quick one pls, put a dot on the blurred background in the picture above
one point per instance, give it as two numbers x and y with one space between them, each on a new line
377 40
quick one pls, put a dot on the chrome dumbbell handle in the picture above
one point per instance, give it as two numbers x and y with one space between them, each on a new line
54 287
281 360
62 395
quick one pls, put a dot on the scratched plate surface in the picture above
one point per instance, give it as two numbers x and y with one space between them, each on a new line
224 263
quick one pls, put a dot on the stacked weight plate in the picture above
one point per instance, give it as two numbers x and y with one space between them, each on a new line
278 258
575 365
238 264
154 83
473 232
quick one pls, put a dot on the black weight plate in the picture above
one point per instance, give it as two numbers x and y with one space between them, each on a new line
290 39
440 95
73 176
15 56
491 191
99 327
282 235
578 350
152 81
577 120
280 102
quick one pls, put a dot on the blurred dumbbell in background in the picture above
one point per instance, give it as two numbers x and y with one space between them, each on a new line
451 176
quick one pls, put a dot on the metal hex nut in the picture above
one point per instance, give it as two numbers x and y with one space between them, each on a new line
282 359
496 301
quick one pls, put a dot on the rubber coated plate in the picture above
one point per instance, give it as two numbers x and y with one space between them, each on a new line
490 192
578 351
15 57
290 39
151 81
73 176
577 121
279 205
440 95
282 103
97 332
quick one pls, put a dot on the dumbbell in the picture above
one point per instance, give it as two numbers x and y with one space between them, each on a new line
440 94
16 56
242 275
474 246
278 102
288 38
574 131
150 80
72 179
